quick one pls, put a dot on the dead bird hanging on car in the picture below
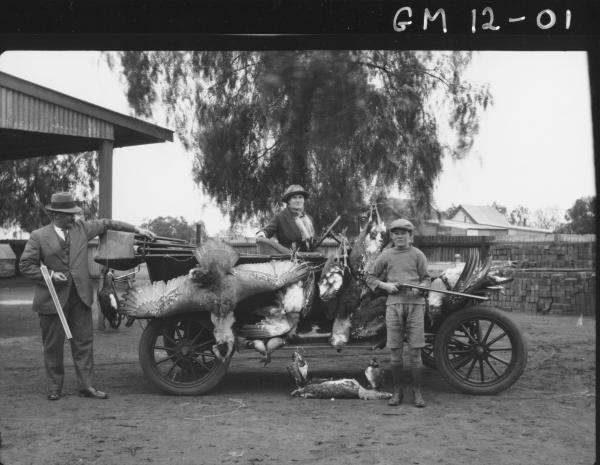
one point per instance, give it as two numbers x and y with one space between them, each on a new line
278 321
358 312
107 299
216 285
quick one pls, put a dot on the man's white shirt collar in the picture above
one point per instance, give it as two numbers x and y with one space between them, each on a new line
59 231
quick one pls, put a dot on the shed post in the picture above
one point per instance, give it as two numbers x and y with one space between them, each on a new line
105 174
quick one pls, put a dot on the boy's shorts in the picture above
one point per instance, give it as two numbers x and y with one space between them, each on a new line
409 318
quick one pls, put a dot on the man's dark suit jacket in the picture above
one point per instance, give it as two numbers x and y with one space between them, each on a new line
44 246
283 225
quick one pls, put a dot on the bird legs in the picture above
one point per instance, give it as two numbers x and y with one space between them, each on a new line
266 348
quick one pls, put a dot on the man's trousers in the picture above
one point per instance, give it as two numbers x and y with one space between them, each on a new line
79 318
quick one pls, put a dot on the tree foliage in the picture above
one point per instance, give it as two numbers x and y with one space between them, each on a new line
581 217
348 125
168 226
27 185
450 211
546 218
500 208
520 216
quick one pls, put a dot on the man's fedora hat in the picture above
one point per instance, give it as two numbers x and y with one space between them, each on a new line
401 223
293 190
63 202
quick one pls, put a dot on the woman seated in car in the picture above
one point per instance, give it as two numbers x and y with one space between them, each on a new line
292 227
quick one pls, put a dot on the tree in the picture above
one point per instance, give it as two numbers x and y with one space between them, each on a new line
347 125
501 208
546 218
519 216
450 211
581 216
168 226
27 185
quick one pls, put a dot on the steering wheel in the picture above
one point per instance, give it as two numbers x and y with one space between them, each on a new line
327 232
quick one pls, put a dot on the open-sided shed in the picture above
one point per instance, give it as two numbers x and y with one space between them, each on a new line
36 121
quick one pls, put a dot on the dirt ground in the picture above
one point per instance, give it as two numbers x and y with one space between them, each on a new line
547 417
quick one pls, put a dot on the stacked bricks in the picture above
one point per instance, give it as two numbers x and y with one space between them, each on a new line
554 276
548 291
555 254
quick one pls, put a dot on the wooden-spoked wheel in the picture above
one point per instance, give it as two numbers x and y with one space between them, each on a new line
480 350
177 357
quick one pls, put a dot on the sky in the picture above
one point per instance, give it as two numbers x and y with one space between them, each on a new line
534 147
535 144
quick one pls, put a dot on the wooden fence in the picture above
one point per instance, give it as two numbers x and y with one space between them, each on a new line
445 248
565 238
436 248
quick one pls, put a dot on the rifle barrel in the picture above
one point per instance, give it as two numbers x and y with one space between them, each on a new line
460 294
59 310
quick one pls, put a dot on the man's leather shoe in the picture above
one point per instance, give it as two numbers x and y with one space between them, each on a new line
54 395
92 392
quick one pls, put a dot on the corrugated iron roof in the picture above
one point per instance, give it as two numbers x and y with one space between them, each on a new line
35 120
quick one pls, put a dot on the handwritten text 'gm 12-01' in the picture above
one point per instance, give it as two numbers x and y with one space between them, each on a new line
544 20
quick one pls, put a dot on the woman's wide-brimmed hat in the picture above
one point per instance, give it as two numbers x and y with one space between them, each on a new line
63 202
293 190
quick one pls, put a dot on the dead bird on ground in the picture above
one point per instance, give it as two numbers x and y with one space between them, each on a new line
374 374
344 388
327 388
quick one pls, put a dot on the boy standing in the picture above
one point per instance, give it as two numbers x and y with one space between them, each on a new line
405 307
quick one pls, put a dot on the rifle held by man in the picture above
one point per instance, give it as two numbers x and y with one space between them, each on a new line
59 310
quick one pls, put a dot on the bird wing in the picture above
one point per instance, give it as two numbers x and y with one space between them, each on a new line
467 271
471 278
251 281
154 300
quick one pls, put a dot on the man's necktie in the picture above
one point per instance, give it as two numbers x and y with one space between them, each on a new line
66 234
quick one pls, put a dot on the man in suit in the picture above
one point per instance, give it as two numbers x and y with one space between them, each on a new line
63 247
292 226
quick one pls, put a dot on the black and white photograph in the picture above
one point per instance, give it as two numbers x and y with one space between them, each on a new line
297 256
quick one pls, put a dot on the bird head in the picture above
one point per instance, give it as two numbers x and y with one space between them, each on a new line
374 363
299 359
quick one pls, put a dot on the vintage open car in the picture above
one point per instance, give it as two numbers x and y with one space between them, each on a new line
476 347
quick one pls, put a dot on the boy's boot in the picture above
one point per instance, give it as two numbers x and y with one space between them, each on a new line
397 395
416 388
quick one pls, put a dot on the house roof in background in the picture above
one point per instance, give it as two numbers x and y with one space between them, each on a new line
486 215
